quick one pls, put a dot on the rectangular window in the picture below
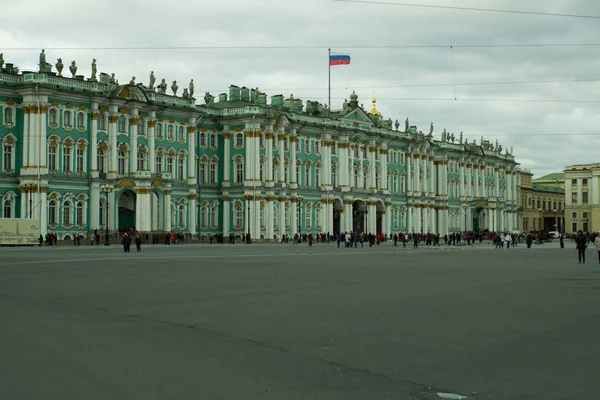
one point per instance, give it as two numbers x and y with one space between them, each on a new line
52 158
170 165
8 158
181 169
213 174
574 182
213 141
585 226
574 197
584 182
574 227
158 166
584 197
239 173
574 215
584 215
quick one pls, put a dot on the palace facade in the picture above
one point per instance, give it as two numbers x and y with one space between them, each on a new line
542 202
236 163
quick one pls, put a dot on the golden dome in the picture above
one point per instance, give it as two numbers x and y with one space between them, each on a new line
374 110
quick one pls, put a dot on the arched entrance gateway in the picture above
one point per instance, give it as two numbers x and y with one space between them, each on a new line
338 207
126 204
359 214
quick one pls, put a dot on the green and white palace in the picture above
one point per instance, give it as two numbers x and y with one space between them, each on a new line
236 163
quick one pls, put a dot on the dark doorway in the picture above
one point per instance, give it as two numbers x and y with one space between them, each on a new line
126 210
359 211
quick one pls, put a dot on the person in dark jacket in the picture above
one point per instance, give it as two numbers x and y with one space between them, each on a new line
581 242
138 243
126 243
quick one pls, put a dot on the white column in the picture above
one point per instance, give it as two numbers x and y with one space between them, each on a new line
282 177
476 179
94 145
281 215
417 178
167 210
293 217
151 143
249 159
192 213
226 215
43 211
256 231
26 134
343 147
133 140
496 183
409 177
372 167
226 159
418 215
94 203
326 161
112 144
191 140
424 162
293 177
461 178
445 178
388 218
409 219
41 140
579 191
432 220
269 223
383 161
33 134
269 164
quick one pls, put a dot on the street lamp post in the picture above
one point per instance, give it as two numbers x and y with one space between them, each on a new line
299 203
30 187
248 234
106 189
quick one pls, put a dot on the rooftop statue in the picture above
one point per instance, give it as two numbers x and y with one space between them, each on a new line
191 93
112 78
444 134
152 80
132 81
345 107
461 137
1 59
397 124
431 129
163 86
94 70
207 98
186 93
59 66
389 123
73 68
174 88
43 61
406 125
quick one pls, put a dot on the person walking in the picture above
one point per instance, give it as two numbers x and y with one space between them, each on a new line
126 243
138 243
597 244
581 242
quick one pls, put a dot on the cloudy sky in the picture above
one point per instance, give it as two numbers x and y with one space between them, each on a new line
402 53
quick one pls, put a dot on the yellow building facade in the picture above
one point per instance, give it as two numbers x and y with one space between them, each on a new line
542 203
582 197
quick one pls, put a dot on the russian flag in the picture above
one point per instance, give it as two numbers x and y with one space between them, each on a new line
339 59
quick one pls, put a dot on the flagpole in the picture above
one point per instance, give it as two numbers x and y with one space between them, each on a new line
329 87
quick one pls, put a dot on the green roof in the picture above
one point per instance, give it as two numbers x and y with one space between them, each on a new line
557 176
547 188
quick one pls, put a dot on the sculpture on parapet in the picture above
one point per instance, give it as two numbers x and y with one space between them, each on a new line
94 70
59 66
191 93
112 78
431 129
345 107
163 86
152 80
397 124
1 59
389 123
461 138
406 125
174 88
186 93
132 81
73 68
444 135
43 61
207 98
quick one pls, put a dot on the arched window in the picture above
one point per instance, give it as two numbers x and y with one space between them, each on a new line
213 172
239 172
80 159
395 184
203 171
79 217
80 120
318 216
203 216
67 119
307 146
52 116
8 209
159 131
101 122
286 144
173 217
275 215
308 216
67 210
181 216
307 176
122 124
141 160
159 161
239 140
181 134
333 176
101 160
171 132
239 216
170 161
213 141
141 127
202 139
121 162
317 147
8 116
181 168
261 141
52 164
356 150
67 157
317 176
52 210
214 216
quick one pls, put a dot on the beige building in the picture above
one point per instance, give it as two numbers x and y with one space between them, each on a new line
542 202
582 184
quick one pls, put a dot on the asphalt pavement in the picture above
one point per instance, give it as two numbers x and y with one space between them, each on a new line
297 322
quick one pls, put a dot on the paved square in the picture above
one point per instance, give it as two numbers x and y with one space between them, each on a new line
293 322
